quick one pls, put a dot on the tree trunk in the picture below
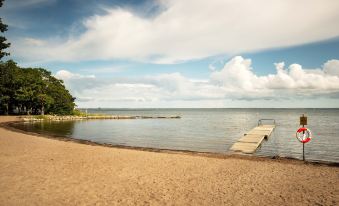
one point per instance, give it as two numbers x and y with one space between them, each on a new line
6 109
42 110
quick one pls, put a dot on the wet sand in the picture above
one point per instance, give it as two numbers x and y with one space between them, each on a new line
40 171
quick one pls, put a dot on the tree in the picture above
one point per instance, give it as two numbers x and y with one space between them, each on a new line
63 100
32 91
4 100
45 101
8 73
3 44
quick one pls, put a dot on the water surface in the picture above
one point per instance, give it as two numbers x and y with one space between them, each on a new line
205 130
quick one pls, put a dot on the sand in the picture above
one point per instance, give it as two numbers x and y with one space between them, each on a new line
40 171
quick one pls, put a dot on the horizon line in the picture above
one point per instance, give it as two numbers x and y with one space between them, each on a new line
207 108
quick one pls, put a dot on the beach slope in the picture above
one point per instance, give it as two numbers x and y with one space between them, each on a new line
40 171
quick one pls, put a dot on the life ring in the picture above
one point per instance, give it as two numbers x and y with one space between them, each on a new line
304 135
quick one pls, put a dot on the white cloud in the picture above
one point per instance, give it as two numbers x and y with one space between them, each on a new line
34 42
239 80
331 67
66 75
193 29
235 81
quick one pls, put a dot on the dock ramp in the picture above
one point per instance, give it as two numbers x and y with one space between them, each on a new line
249 143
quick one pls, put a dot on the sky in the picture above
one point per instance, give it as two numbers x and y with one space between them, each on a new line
174 53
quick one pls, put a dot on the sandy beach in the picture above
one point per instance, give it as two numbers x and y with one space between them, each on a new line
41 171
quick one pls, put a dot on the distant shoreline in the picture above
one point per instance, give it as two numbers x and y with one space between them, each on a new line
91 116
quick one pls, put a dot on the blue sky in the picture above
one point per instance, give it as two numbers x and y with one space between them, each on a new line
182 54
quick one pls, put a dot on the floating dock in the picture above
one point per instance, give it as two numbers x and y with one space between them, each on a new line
249 143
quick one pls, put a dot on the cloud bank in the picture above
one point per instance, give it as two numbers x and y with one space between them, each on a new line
190 29
235 81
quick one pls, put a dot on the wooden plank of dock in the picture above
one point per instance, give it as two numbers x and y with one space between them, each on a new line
249 143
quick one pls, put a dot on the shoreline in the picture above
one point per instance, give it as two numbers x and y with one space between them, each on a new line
35 170
8 126
37 118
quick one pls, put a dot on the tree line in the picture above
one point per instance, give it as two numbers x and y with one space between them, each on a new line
30 90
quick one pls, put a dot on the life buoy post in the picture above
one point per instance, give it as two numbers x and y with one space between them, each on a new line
303 134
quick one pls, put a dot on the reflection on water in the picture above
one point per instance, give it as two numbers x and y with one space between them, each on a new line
208 130
65 129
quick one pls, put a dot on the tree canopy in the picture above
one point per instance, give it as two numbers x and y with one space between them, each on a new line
3 43
32 91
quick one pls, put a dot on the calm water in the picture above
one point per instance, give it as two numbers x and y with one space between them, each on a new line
208 130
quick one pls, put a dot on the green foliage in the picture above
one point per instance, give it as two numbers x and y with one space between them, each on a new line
3 43
77 112
32 91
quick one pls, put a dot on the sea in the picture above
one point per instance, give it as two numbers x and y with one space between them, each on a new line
206 130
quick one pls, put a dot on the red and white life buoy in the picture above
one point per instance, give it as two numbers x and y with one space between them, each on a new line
304 135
